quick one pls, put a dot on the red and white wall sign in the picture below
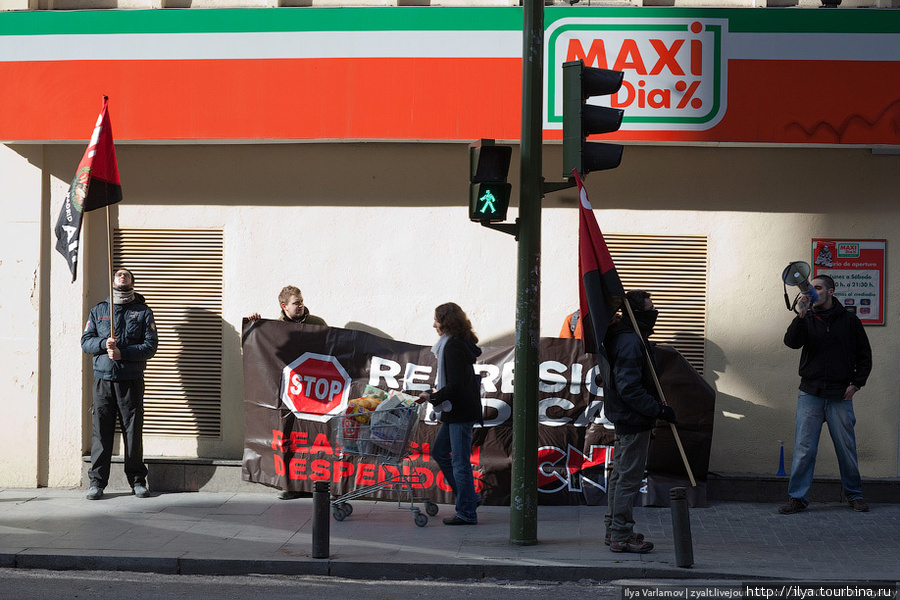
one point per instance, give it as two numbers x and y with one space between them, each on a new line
857 267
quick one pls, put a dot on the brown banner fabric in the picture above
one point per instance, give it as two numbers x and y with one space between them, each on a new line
296 377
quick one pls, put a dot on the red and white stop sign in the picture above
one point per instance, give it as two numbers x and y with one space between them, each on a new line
315 387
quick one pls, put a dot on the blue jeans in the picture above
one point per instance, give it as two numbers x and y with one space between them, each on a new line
812 411
452 451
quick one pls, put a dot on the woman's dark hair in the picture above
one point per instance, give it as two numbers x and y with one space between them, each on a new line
453 320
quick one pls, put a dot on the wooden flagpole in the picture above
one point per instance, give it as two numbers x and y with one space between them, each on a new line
659 389
109 248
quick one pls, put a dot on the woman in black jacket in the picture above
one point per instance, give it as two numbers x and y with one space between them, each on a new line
457 399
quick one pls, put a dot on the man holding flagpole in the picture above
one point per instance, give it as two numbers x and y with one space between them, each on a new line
631 402
119 364
121 339
633 399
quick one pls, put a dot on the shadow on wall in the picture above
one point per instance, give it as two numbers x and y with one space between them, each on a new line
748 433
506 339
357 326
195 407
193 175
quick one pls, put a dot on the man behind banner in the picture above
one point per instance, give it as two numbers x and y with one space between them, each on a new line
119 364
290 298
632 404
293 310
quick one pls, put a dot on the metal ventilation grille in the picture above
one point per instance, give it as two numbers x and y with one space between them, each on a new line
674 270
180 272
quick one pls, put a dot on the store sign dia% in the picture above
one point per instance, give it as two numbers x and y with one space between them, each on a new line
674 78
315 387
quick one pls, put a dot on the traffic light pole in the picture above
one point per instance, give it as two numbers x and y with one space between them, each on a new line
524 493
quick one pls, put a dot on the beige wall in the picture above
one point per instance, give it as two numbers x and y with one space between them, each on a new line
376 235
20 286
760 208
41 432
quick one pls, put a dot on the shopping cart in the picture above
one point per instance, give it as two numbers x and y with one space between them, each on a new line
382 435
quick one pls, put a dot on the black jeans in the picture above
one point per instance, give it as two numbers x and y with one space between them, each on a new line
125 399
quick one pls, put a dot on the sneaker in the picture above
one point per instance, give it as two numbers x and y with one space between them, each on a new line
94 493
635 537
458 521
859 505
794 505
141 491
632 544
288 495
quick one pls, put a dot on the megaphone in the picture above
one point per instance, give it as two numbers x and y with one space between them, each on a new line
797 273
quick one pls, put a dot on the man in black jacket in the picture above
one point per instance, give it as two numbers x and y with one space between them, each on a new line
119 364
632 404
835 362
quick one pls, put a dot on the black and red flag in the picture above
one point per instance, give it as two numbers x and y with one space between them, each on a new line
95 185
600 290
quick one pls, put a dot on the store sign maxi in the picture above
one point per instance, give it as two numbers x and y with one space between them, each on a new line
674 72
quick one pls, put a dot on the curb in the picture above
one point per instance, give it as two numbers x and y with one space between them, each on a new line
175 565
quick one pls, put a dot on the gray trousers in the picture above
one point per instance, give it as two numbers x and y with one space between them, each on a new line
629 462
124 399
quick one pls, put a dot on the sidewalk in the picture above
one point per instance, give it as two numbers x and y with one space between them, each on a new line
242 533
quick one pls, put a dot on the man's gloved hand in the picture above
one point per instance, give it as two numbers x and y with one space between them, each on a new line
667 414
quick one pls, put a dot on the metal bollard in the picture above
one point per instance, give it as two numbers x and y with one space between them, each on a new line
681 527
321 520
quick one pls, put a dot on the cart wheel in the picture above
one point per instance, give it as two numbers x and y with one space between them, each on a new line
421 520
431 508
339 513
348 508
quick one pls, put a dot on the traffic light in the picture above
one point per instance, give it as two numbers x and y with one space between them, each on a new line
488 190
581 119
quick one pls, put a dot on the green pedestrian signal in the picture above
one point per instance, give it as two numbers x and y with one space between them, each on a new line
488 190
489 201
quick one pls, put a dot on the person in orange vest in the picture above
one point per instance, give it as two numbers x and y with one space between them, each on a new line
572 326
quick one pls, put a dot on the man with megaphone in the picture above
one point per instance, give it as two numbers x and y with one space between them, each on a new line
835 361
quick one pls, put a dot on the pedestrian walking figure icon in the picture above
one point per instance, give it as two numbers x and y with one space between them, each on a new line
488 200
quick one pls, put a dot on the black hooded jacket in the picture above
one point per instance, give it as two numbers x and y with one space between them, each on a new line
836 351
462 387
631 401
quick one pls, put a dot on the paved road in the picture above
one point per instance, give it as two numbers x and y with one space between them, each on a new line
31 584
35 584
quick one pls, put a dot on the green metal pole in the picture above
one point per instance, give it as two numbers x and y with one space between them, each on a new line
524 498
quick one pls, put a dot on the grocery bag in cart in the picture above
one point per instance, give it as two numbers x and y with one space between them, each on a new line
353 428
391 424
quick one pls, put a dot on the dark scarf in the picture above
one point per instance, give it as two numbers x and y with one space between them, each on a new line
123 296
646 320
